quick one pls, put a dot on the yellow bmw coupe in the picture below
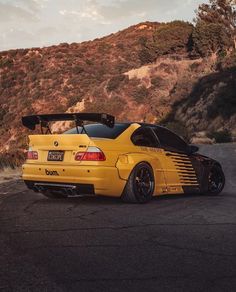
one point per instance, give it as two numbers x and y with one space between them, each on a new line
134 161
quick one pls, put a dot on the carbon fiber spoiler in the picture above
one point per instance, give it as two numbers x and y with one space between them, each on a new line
30 122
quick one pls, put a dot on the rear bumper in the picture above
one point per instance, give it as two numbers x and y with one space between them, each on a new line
71 189
96 180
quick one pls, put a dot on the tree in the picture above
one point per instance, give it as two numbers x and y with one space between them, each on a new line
220 12
173 37
210 37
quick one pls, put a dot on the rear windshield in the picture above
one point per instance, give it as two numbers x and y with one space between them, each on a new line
101 131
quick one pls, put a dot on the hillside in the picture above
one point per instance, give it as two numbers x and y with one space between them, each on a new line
147 72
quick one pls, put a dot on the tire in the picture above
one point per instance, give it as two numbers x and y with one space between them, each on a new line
140 185
216 180
54 195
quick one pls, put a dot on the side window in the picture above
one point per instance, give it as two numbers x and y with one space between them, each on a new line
170 141
144 136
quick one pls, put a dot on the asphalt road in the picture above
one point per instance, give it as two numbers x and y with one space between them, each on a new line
175 243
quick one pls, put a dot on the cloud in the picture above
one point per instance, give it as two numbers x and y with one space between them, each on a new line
122 9
24 10
10 13
112 11
88 12
27 23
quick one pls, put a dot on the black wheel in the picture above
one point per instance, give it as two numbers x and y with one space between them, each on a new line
54 194
140 185
216 180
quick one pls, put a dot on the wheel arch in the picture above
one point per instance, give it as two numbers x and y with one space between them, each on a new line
135 194
216 163
127 162
143 161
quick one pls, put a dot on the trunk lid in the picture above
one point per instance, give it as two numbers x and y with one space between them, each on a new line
50 148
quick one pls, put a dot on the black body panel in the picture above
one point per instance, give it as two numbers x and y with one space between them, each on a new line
202 166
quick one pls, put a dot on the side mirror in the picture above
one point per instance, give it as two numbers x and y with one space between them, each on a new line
193 149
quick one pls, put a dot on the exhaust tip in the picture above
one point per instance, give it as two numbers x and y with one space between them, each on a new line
36 189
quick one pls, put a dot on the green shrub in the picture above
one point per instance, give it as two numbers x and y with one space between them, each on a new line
224 103
122 67
120 46
222 55
2 113
221 136
65 45
59 55
212 111
73 100
146 56
6 62
8 83
173 37
143 41
104 48
140 94
36 95
114 82
89 62
32 63
195 66
77 69
157 81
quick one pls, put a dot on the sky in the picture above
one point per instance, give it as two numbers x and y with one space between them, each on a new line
40 23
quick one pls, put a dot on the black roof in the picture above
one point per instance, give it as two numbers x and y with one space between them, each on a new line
143 124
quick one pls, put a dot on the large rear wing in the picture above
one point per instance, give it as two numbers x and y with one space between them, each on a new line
30 122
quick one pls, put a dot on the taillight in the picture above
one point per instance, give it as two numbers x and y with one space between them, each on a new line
92 154
33 155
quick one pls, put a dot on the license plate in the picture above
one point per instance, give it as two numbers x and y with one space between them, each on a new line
55 155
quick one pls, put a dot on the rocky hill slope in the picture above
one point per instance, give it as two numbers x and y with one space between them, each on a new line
147 72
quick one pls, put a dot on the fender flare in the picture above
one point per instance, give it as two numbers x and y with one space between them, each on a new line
126 163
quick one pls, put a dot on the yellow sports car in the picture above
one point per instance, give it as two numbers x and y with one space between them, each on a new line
134 161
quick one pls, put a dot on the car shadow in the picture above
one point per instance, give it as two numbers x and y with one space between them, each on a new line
91 200
103 200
